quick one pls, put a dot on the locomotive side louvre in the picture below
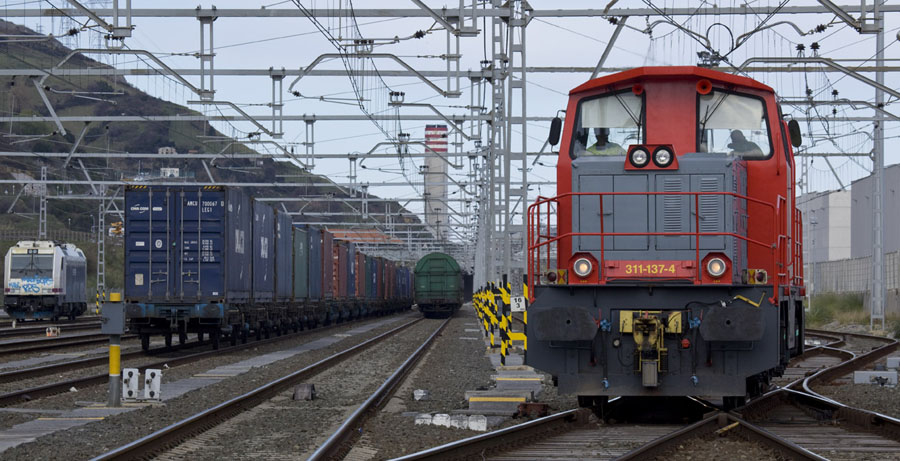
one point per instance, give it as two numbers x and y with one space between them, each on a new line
44 280
669 265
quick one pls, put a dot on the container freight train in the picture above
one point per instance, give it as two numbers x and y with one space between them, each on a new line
670 263
439 285
44 280
210 261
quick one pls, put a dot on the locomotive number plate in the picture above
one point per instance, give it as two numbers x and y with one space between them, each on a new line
643 269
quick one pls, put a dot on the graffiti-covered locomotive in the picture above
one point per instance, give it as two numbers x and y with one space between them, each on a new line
669 263
44 279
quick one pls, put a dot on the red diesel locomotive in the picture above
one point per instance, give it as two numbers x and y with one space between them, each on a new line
670 262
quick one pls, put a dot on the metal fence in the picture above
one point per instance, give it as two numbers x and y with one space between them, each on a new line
62 235
855 276
851 275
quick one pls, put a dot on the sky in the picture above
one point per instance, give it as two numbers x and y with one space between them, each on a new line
292 43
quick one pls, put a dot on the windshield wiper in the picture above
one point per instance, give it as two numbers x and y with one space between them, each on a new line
636 120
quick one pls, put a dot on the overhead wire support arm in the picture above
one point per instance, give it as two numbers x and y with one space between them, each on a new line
620 24
168 70
857 24
440 19
117 32
75 146
305 70
825 61
49 106
842 102
247 116
455 126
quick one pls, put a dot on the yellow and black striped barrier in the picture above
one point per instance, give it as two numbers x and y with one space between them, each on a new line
493 307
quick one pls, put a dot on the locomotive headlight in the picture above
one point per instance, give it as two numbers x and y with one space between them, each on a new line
715 267
583 267
640 157
662 157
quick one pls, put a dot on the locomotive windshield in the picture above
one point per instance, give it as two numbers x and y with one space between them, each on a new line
24 266
734 124
607 124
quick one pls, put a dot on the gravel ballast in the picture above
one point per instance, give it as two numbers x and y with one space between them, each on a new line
286 428
453 366
96 438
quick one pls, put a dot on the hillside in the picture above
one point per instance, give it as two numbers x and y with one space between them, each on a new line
112 95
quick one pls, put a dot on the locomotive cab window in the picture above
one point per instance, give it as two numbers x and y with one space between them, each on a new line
30 265
608 124
733 124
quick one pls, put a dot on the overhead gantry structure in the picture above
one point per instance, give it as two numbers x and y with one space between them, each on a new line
494 142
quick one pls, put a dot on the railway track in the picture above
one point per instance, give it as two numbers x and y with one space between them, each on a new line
190 427
7 323
60 387
41 329
25 346
789 423
576 434
339 444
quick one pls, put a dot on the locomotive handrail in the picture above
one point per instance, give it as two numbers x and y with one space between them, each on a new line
537 240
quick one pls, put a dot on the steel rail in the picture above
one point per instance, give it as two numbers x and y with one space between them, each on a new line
53 368
847 367
27 331
43 344
827 410
724 422
809 353
174 433
60 387
826 374
337 445
482 444
7 323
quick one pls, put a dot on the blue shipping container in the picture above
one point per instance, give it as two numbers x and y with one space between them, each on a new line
351 270
284 267
315 263
327 267
301 265
187 245
263 255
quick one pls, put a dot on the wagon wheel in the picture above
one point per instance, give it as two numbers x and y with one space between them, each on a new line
182 338
168 340
215 336
233 336
145 341
200 336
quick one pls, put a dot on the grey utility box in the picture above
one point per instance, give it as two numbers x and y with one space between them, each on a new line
112 319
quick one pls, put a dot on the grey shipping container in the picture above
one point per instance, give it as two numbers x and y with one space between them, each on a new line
284 261
301 265
187 245
263 260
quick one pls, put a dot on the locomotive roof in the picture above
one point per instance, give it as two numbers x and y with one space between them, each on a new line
645 73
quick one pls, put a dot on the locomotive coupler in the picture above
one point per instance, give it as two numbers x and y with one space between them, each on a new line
647 331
